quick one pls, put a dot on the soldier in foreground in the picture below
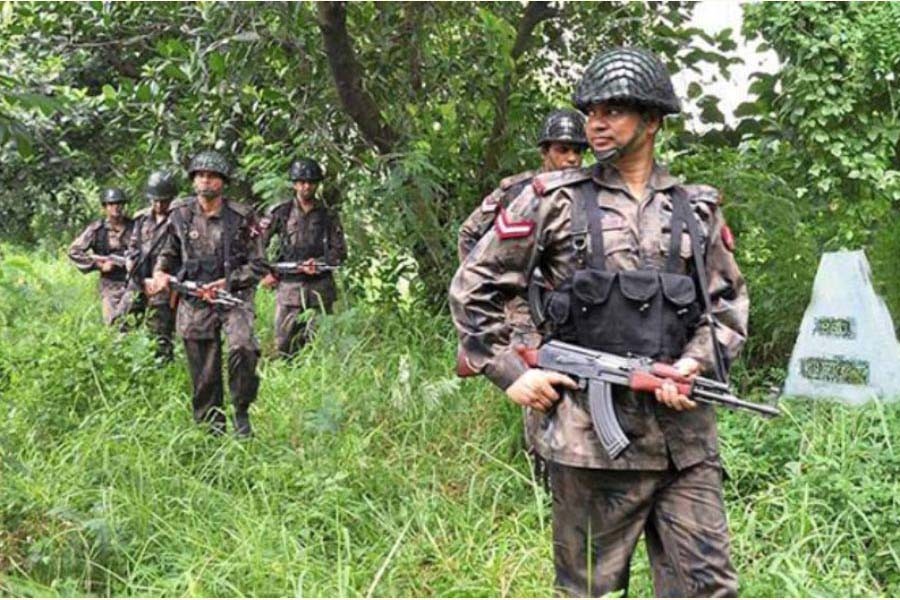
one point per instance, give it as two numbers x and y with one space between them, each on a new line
311 245
102 246
150 226
562 145
212 241
641 264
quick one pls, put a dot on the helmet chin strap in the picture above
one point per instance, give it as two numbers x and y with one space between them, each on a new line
605 157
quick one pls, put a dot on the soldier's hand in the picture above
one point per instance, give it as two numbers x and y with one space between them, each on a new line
534 388
668 393
158 283
269 281
106 266
309 267
218 284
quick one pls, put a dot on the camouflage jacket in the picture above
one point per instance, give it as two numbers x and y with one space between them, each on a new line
481 219
536 232
101 238
144 248
193 236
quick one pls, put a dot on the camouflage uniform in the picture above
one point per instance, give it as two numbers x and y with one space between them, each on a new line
103 238
143 250
199 248
668 482
303 235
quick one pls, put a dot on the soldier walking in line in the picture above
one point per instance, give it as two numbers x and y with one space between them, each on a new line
309 234
213 241
150 227
102 246
638 263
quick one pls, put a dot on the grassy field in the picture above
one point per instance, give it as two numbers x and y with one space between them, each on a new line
374 471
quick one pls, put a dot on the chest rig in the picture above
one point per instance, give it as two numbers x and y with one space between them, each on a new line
206 267
102 245
648 311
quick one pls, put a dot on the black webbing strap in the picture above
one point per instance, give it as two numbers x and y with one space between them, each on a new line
681 212
583 198
228 229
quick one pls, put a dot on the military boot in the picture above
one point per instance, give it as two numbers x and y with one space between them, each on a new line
242 427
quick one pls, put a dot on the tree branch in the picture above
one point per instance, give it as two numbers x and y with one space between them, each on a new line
347 74
535 13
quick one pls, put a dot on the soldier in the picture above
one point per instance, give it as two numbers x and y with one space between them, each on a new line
634 258
150 226
562 144
101 246
308 233
212 240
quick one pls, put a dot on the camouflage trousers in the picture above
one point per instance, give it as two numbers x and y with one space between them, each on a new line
202 328
598 516
161 323
293 328
111 293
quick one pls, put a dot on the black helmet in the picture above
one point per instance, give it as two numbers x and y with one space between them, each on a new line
306 169
161 186
563 126
112 196
629 75
210 160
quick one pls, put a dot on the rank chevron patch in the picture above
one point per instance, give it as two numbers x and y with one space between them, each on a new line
507 229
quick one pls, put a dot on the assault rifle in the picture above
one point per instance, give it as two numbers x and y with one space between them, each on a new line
293 268
212 295
116 259
599 371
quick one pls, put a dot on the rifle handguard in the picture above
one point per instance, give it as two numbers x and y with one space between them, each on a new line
642 381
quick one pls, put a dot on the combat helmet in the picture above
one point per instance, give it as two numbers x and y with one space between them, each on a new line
563 126
306 169
161 186
210 160
112 196
629 75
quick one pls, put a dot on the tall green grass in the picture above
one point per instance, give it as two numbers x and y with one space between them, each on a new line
374 471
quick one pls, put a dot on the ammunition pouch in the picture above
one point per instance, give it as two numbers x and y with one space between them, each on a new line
644 312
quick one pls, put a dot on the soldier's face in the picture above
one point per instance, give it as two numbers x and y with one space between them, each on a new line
611 125
113 211
559 155
161 207
208 184
306 190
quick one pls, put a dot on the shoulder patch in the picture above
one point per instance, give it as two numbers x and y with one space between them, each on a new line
508 182
545 183
508 229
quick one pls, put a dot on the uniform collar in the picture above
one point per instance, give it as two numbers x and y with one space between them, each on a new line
608 176
198 210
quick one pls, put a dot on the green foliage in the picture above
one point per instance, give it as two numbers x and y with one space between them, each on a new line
834 102
143 86
374 471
